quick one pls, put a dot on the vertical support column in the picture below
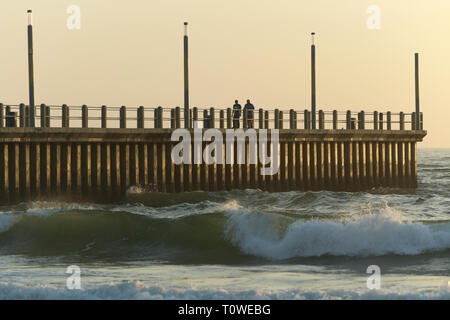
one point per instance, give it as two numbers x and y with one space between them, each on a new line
313 164
394 161
261 118
327 165
212 117
89 167
321 120
154 166
16 170
281 181
160 117
414 163
6 170
362 165
348 120
402 121
375 120
140 117
355 154
291 119
369 164
104 117
105 149
123 117
47 116
348 164
382 163
65 116
280 126
388 163
291 164
36 167
156 118
341 165
222 168
178 118
78 167
84 116
388 121
22 115
407 165
334 164
1 115
43 116
222 119
320 162
162 167
229 118
58 168
266 119
376 164
335 120
28 170
68 155
277 119
119 163
170 169
145 163
401 163
98 165
362 120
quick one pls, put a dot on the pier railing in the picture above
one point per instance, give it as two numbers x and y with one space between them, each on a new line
64 116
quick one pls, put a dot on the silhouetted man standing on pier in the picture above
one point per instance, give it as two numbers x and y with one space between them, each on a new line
236 114
250 113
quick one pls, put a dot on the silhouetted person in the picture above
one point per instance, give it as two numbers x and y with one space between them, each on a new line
250 113
236 114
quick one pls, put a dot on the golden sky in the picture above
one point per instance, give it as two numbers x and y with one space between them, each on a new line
130 53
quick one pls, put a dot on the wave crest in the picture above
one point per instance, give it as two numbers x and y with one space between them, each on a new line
365 235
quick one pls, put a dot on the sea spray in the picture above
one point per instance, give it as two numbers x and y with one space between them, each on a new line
363 235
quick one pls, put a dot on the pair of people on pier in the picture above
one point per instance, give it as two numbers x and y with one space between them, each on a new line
249 108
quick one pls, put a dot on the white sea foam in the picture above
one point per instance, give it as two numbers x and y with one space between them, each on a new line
139 290
364 235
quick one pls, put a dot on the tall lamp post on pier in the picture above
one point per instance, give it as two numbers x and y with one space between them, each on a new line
313 82
30 68
186 78
416 62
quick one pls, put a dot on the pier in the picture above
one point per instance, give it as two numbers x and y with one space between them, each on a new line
100 152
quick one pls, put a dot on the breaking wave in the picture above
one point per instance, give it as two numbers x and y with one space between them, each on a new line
210 232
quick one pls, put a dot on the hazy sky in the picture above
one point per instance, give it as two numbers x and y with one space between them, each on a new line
130 53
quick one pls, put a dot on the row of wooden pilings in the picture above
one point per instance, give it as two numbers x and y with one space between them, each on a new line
106 163
380 121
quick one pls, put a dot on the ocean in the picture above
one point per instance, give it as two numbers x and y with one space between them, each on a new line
243 244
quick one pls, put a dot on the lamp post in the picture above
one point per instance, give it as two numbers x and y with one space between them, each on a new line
416 62
30 68
313 82
186 78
